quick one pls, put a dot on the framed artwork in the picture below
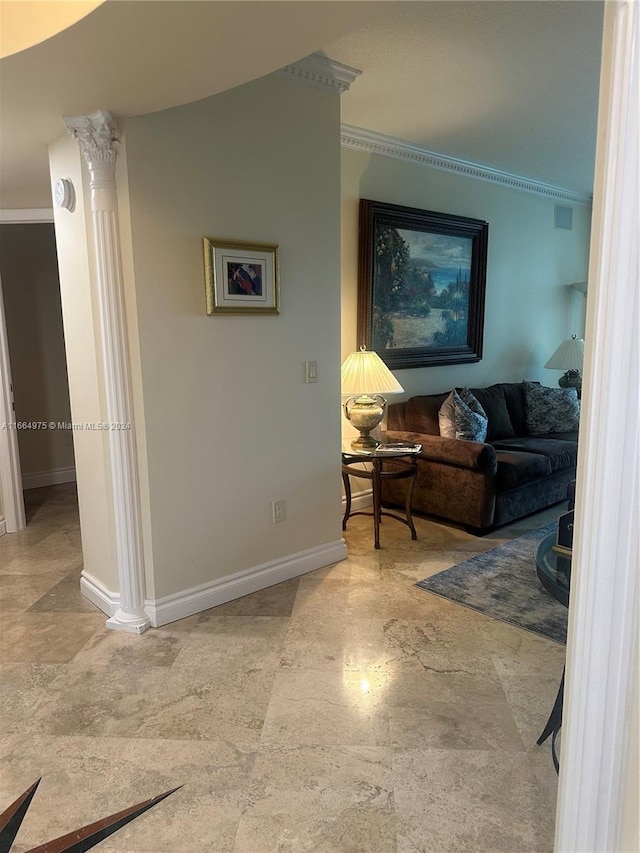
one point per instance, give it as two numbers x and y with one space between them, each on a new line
421 287
241 278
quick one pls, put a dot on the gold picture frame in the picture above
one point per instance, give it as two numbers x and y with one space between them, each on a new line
241 278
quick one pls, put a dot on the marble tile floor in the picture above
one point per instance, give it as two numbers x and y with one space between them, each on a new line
342 712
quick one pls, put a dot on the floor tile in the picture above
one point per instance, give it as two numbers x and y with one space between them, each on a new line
22 688
531 699
157 702
470 802
65 597
20 592
122 651
320 798
327 708
54 552
46 637
327 641
451 711
276 600
233 643
85 779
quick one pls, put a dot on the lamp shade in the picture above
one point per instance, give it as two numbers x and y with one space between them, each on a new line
365 372
568 356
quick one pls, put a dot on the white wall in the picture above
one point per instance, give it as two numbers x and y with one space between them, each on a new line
229 424
79 313
529 310
36 347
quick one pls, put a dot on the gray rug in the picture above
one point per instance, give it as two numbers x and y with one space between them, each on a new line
503 583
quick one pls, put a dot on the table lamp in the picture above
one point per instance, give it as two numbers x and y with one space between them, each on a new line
569 357
365 378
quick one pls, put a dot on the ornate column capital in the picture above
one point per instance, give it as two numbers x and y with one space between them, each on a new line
97 134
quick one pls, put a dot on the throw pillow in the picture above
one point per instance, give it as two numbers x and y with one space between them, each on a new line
447 417
494 402
461 416
551 409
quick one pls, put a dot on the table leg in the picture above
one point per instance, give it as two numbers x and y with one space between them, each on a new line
375 484
412 481
554 723
347 494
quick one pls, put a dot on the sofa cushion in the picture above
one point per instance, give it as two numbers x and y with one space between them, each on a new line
561 436
517 468
421 413
561 454
514 396
461 416
493 401
550 409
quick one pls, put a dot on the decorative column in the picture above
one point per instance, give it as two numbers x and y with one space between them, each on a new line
598 757
98 138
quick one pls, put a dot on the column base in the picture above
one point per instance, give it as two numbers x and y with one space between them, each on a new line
129 622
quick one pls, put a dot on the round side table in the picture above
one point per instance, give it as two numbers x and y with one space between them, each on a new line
403 467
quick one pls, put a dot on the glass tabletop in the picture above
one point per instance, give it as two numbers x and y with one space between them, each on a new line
554 569
387 449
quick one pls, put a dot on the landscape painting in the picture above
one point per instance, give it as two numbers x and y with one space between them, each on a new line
422 285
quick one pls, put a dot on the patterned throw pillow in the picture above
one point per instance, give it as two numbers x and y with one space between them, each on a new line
461 416
551 409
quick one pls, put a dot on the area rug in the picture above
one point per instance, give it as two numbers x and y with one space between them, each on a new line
502 583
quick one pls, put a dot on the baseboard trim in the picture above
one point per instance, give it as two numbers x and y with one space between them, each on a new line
103 598
3 525
359 500
49 478
199 598
170 608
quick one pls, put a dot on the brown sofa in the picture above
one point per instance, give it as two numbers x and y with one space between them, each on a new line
481 486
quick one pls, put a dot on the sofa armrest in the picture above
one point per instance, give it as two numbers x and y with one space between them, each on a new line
450 451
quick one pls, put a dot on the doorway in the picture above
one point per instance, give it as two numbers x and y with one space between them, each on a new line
40 423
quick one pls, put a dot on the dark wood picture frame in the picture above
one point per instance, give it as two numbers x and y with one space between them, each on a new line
421 286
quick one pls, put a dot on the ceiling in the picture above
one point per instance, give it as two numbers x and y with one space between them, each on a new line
509 84
138 56
512 85
24 24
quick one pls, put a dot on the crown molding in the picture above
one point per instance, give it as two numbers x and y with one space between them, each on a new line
360 139
322 73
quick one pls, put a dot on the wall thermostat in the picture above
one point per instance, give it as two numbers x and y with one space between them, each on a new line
65 194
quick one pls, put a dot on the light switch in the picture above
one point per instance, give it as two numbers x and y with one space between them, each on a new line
311 371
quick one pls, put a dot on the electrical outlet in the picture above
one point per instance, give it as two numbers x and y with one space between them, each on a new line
279 509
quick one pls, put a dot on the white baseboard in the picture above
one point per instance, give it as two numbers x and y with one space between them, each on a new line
359 500
49 478
181 604
170 608
3 525
103 598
